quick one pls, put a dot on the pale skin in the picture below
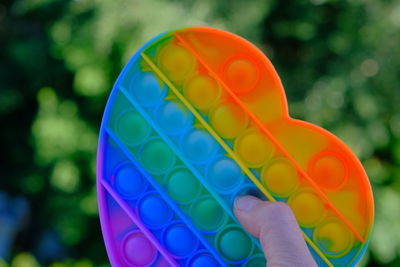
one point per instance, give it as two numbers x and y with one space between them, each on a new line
276 227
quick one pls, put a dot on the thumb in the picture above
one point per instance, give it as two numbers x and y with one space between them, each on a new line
276 227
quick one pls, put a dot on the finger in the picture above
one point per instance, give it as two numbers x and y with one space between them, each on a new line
276 227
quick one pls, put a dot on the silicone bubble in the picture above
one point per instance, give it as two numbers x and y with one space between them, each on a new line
129 182
182 186
198 145
179 240
257 261
228 120
234 244
254 149
154 211
196 118
138 241
241 74
176 61
329 170
280 177
333 237
173 117
207 214
157 157
132 128
224 174
146 89
203 259
202 91
307 207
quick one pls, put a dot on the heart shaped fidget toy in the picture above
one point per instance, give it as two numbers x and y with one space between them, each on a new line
197 117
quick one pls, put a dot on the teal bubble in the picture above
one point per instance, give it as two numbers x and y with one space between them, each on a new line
157 157
183 186
131 128
207 214
234 244
257 261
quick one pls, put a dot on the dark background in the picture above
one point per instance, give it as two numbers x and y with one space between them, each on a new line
338 60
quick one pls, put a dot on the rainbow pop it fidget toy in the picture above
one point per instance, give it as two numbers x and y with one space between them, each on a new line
197 117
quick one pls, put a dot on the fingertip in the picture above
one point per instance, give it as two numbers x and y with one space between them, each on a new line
246 202
278 211
276 227
248 210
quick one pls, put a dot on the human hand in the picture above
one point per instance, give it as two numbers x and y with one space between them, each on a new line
276 227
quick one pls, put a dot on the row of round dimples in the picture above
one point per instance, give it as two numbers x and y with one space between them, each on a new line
157 158
180 184
206 213
200 148
202 91
329 171
135 241
157 215
131 185
197 144
330 234
180 67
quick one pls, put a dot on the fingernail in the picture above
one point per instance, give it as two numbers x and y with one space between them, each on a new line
245 203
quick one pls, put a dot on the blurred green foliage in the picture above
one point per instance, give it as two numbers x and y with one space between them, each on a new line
339 62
